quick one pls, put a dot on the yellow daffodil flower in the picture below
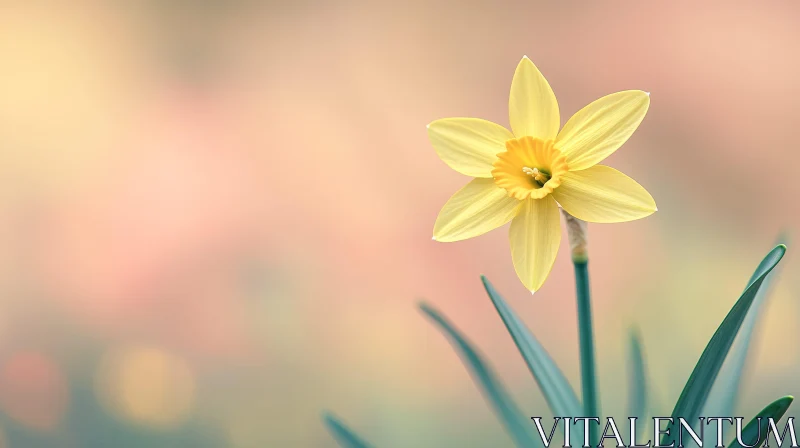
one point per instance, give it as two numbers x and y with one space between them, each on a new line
523 175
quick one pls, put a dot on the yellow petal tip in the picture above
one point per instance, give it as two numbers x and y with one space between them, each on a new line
525 56
433 238
533 291
656 209
647 93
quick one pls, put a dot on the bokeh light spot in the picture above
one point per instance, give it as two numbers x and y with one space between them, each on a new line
33 390
147 386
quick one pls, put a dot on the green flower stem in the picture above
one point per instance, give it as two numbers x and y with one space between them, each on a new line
586 337
576 230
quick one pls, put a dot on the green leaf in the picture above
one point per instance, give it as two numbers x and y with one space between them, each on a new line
556 389
723 396
637 392
697 388
752 432
515 421
343 435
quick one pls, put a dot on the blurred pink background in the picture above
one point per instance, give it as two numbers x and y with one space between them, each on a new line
217 214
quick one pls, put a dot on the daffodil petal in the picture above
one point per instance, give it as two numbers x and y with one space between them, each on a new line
477 208
532 105
601 128
535 236
603 194
468 145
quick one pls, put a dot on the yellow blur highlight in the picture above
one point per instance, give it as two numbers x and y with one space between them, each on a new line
147 386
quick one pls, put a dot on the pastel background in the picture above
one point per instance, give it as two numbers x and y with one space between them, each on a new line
216 216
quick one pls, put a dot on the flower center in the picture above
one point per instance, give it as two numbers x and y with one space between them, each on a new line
539 176
529 168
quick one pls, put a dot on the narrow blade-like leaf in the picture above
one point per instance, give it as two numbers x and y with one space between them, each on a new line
343 435
756 431
515 421
724 394
554 385
731 374
637 392
697 388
